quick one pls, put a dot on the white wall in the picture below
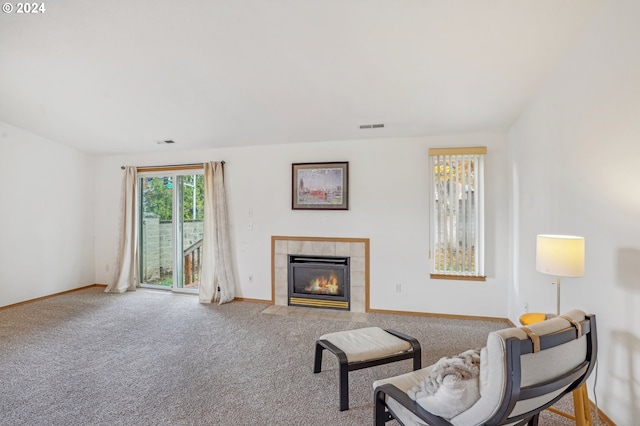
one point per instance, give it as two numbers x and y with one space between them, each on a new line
575 157
388 204
46 225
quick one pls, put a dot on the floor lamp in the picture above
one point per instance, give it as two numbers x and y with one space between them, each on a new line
560 255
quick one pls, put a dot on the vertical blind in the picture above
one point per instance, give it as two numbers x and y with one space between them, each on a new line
457 209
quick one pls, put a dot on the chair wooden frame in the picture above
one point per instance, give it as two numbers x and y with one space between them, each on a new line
515 348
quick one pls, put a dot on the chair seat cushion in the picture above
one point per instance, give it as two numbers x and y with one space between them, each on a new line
452 386
368 343
452 398
446 388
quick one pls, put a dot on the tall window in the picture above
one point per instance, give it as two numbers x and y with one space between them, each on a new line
457 213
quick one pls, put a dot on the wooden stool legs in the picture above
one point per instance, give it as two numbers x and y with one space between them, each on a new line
581 407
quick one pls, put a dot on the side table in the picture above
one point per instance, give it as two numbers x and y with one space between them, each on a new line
582 411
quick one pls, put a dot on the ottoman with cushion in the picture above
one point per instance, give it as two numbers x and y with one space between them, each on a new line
364 348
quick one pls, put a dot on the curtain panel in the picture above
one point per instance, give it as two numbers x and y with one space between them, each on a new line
218 282
127 270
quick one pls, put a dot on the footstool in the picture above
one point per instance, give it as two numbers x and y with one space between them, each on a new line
364 348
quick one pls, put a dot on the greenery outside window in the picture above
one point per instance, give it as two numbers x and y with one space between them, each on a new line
457 213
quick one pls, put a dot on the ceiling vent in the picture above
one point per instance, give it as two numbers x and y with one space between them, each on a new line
371 126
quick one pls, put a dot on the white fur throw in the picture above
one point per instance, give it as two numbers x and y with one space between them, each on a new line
451 387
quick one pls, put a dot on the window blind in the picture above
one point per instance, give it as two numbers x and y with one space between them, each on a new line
457 210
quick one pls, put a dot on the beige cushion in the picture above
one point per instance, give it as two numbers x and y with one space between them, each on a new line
405 382
454 396
367 343
452 386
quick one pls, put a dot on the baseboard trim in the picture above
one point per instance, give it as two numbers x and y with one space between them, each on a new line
602 416
244 299
433 315
13 305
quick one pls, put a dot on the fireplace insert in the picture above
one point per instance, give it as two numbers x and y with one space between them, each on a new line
319 281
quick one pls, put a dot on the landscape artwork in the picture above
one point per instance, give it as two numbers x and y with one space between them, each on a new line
320 186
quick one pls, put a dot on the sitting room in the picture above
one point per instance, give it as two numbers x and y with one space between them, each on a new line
173 154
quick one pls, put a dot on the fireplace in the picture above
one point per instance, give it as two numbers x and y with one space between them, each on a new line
319 281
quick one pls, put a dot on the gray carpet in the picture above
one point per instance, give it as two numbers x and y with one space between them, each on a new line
155 358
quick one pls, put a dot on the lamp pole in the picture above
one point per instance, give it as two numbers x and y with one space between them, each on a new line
558 290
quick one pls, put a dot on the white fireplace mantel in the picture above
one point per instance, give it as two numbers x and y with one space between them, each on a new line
355 248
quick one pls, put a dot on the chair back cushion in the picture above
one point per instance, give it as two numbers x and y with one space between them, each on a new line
535 367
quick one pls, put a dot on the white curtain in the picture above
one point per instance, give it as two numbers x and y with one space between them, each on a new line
218 282
126 276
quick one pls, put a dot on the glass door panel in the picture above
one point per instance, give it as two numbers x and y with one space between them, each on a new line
191 229
172 209
156 245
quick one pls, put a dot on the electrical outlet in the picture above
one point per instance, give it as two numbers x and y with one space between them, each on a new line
398 288
250 278
526 307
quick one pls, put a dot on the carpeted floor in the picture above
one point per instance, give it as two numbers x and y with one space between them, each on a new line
156 358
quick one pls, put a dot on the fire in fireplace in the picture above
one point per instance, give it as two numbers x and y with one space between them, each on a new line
319 281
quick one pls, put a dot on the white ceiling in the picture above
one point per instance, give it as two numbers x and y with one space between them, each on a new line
118 76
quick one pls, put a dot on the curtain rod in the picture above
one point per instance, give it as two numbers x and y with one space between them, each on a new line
169 165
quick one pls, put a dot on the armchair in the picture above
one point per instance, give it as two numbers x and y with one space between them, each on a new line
522 372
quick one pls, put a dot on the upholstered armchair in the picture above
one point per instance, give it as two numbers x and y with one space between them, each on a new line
521 371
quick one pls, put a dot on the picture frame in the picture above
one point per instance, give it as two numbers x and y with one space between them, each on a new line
320 186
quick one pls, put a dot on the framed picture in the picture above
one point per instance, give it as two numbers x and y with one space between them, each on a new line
320 186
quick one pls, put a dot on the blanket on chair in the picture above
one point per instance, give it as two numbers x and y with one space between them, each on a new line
452 386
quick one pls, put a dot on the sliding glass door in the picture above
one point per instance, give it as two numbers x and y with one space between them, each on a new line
171 213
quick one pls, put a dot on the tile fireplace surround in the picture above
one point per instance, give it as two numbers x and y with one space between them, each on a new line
355 248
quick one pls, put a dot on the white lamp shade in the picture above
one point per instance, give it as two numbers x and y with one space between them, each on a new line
560 255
